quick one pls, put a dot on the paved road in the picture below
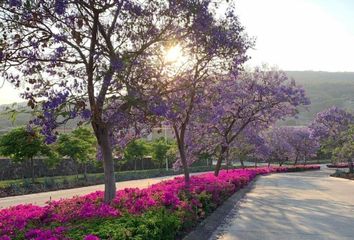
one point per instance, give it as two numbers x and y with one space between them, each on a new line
307 205
42 198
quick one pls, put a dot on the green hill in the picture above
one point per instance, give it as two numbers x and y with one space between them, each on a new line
325 89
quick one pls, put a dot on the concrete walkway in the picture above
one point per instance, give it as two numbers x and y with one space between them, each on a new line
307 205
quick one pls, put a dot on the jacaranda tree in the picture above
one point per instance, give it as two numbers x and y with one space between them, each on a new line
254 99
328 126
95 60
290 144
249 144
303 146
216 45
279 148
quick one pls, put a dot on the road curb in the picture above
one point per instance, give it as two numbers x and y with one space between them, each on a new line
209 225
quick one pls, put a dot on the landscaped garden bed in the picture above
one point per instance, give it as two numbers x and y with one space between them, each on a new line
342 174
338 165
166 210
25 186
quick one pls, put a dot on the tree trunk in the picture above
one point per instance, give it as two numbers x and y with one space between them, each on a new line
142 163
351 166
32 169
85 172
185 165
218 163
242 163
77 170
227 161
296 159
268 164
108 165
134 164
180 143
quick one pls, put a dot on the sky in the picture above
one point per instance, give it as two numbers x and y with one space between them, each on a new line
313 35
300 34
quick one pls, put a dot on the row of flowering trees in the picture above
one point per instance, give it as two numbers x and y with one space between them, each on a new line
103 61
330 133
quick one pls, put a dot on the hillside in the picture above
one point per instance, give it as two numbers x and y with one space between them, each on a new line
325 89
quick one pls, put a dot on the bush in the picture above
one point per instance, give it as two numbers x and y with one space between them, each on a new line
27 185
49 183
156 224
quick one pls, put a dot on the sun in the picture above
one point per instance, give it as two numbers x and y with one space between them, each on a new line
173 54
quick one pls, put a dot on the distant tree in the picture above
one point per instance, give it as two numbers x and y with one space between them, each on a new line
303 146
280 150
328 127
248 100
249 145
21 144
345 149
160 149
172 153
80 146
135 151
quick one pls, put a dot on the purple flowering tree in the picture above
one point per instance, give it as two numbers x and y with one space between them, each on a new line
216 45
280 150
304 147
252 99
95 60
290 144
328 125
330 122
249 144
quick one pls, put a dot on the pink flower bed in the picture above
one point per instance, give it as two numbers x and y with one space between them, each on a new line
33 221
338 165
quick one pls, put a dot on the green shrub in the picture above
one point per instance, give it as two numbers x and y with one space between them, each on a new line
27 185
65 181
49 183
157 224
15 188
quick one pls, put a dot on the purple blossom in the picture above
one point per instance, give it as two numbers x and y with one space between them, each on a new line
15 3
86 114
330 122
117 65
60 6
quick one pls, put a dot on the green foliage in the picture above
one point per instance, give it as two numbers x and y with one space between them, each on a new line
157 224
162 150
345 149
136 150
22 145
79 145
